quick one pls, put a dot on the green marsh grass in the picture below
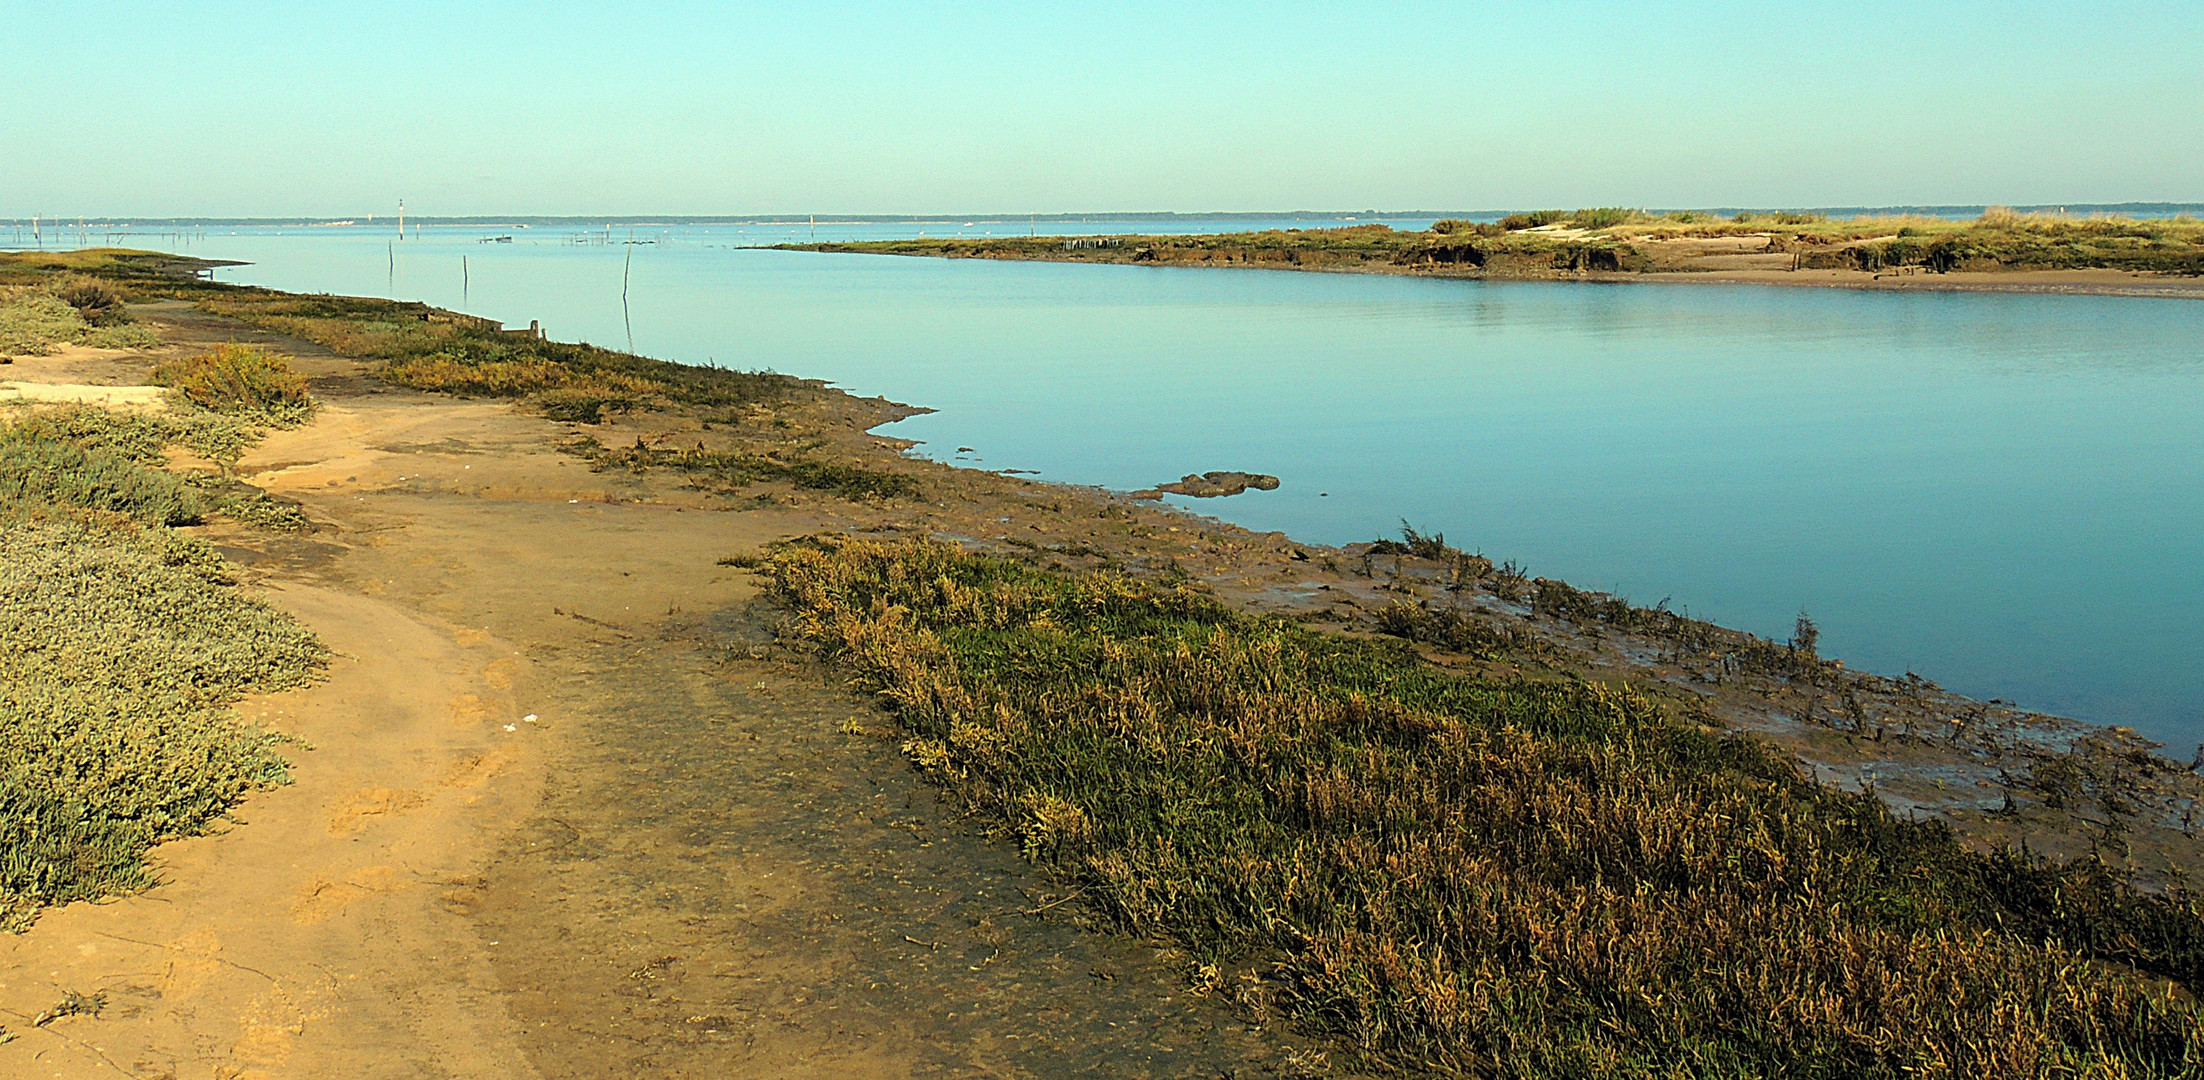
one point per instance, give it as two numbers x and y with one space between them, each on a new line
35 318
39 471
1604 217
33 321
69 437
1481 876
439 351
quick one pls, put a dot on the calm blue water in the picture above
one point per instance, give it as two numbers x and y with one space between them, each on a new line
2002 493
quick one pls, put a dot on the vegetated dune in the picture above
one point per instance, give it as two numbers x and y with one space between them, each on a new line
1241 803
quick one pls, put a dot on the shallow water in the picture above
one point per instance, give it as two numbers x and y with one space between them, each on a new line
2004 493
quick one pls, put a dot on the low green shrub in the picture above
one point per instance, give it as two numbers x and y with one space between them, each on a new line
120 337
1603 217
457 372
562 392
245 503
70 311
138 436
586 404
33 321
1532 220
142 437
120 650
40 471
241 380
1457 227
431 349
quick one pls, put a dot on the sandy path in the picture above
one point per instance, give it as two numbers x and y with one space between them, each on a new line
683 866
282 947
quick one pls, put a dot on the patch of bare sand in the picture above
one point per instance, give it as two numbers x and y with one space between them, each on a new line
81 366
149 398
310 940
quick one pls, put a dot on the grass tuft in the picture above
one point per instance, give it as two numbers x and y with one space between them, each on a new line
97 302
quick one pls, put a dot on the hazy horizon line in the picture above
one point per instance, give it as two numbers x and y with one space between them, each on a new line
1934 210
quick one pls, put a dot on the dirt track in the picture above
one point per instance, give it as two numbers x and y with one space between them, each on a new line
560 811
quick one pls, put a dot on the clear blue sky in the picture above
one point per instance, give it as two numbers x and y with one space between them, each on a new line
220 108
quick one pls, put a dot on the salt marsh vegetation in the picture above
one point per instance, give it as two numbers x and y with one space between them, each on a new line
1479 875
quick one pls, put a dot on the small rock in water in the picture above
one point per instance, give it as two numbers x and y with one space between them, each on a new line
1212 485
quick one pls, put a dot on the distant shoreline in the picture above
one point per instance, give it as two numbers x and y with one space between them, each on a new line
2048 282
1759 258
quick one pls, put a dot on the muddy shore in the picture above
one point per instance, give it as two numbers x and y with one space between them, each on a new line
566 807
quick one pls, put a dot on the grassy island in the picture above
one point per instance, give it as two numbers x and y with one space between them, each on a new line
1613 241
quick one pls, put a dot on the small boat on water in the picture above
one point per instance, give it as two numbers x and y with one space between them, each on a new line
495 240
